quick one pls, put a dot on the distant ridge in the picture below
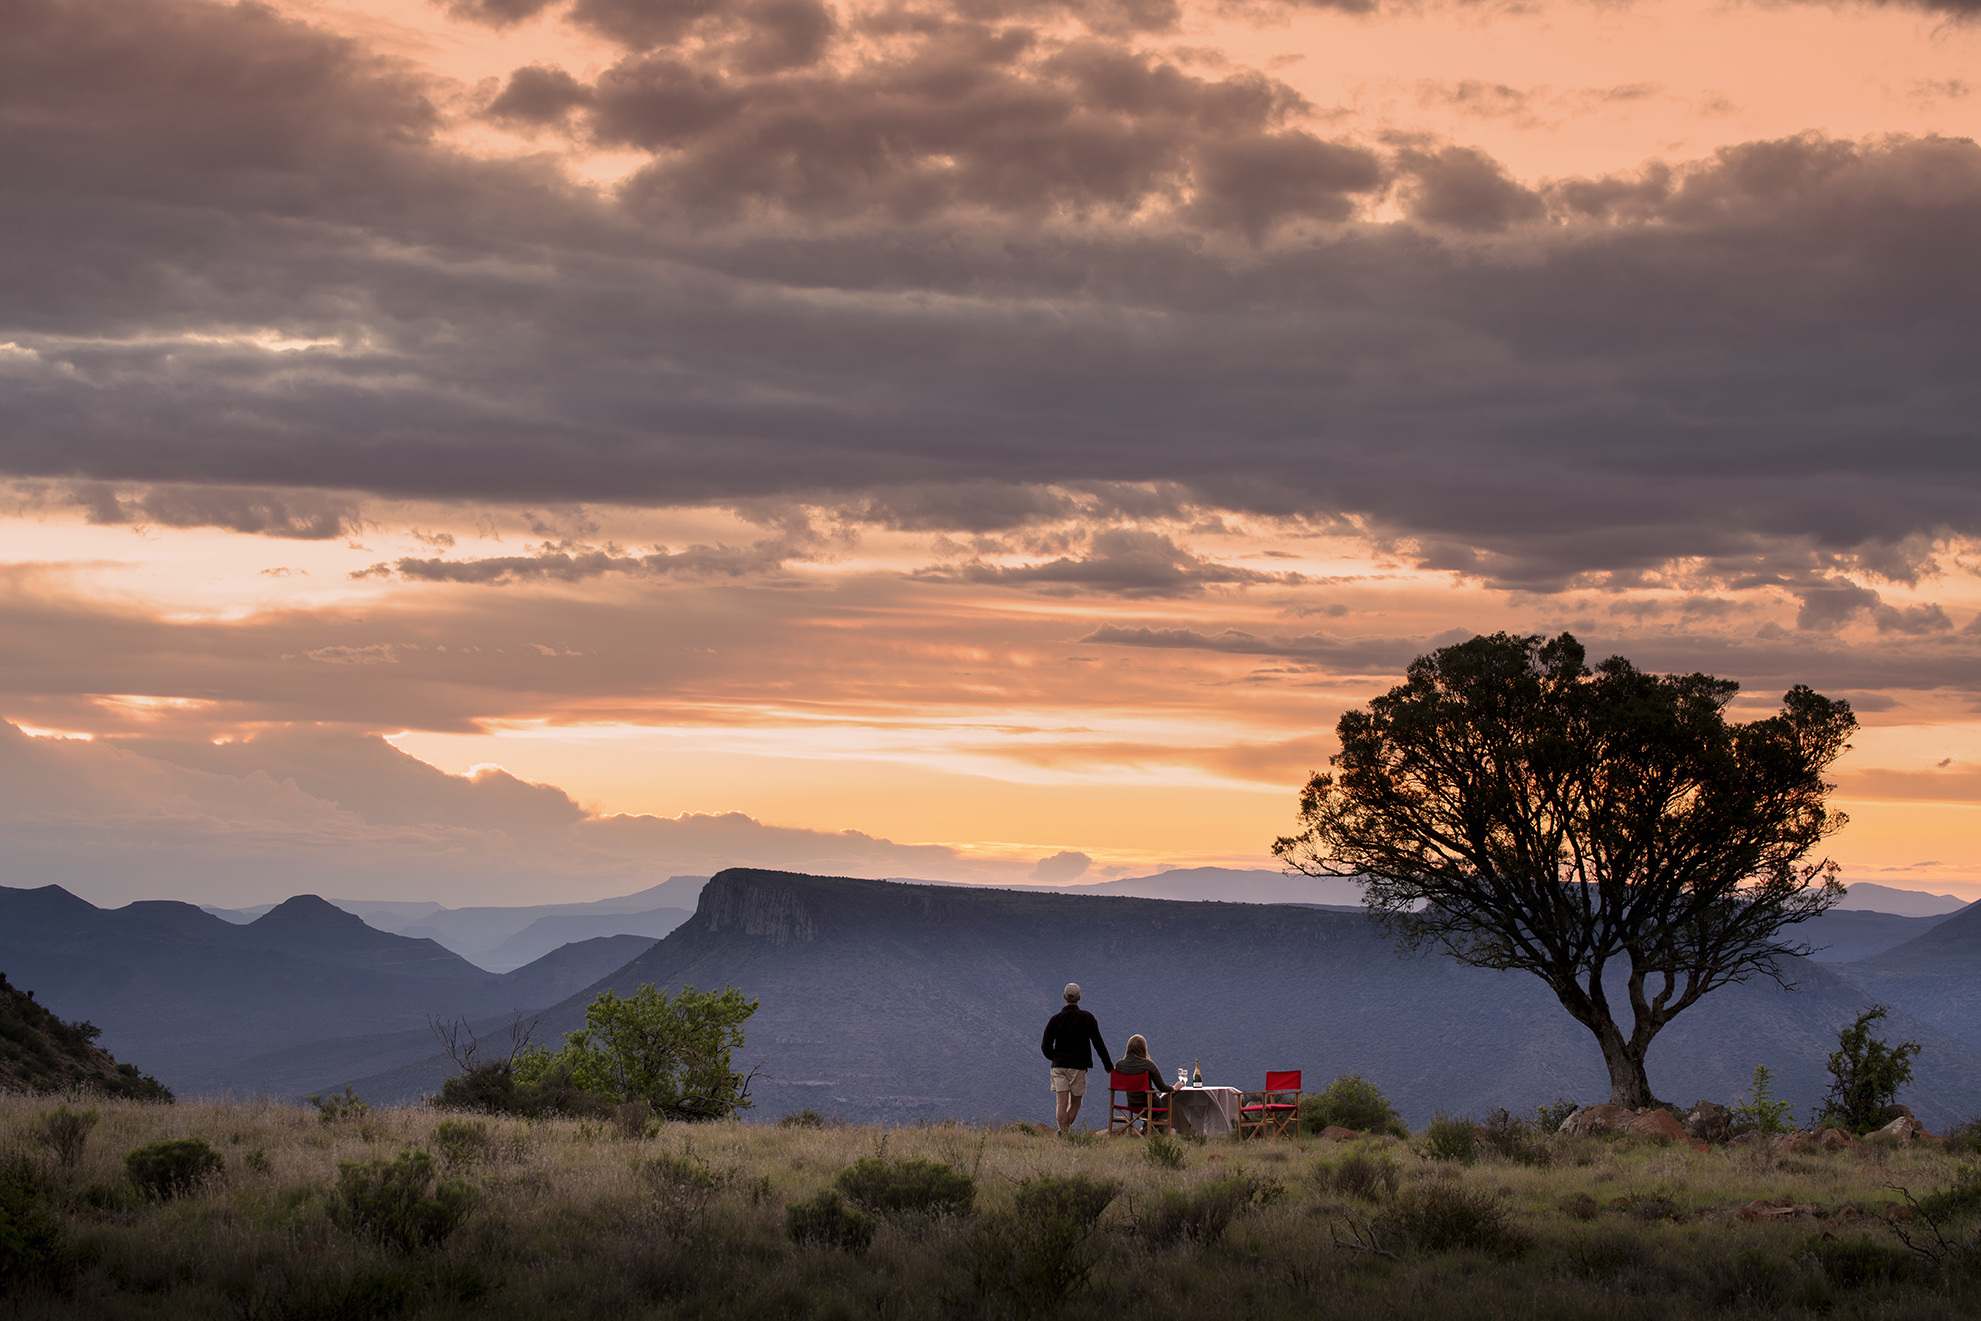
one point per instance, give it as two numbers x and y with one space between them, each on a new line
1935 976
885 1000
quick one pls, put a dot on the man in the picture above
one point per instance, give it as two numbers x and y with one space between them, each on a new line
1068 1034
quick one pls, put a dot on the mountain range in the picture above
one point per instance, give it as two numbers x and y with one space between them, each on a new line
900 1002
197 1000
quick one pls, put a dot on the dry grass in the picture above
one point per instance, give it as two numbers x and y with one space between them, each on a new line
570 1221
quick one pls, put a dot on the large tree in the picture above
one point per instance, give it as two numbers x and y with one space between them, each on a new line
1514 809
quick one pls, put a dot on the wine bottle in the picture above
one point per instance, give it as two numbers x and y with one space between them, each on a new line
1197 1075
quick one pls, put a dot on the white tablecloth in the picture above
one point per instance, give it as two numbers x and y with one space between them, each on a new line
1204 1111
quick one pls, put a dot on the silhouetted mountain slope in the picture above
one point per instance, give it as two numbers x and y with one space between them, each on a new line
1935 976
187 995
1903 903
471 932
873 993
1844 935
41 1053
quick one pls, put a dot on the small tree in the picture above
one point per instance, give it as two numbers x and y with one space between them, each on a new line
1512 809
672 1054
1865 1074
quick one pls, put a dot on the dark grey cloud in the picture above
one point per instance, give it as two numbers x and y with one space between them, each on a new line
564 564
1132 563
300 515
1349 655
989 263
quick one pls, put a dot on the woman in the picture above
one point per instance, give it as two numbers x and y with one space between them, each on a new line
1137 1061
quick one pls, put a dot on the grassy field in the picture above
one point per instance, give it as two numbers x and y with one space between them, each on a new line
576 1219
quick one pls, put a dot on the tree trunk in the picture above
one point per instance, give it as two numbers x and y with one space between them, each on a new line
1630 1087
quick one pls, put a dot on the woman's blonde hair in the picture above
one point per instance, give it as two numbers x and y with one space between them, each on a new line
1138 1049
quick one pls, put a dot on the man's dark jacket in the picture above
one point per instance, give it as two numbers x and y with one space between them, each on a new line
1066 1038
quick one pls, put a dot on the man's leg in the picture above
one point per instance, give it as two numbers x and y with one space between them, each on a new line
1067 1106
1072 1110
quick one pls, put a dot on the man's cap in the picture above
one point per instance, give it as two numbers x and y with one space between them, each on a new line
1072 990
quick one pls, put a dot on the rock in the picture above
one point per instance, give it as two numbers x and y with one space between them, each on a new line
1788 1142
1835 1139
1657 1124
1753 1137
1896 1111
1709 1122
1592 1120
1700 1144
1900 1214
1905 1128
1336 1133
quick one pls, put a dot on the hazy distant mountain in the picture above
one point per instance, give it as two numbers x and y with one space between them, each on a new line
1844 935
1905 903
902 1002
1230 885
1935 977
549 933
187 996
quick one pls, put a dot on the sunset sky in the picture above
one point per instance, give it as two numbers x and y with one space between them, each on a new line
506 451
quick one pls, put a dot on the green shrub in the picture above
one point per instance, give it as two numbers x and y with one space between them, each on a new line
174 1168
34 1248
1202 1214
633 1119
1854 1263
1866 1073
1034 1256
66 1132
332 1107
672 1053
806 1118
398 1202
828 1220
1446 1216
1163 1150
1550 1118
1451 1138
462 1141
1746 1278
1761 1109
1351 1101
1964 1139
1960 1199
668 1170
1360 1173
908 1187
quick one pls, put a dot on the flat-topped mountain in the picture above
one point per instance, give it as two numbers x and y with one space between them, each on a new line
187 996
903 1002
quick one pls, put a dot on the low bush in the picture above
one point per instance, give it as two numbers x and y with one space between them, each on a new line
34 1249
1202 1214
806 1118
1351 1101
828 1220
491 1088
908 1187
398 1202
462 1142
1034 1256
1958 1199
1360 1173
331 1107
1550 1118
1446 1216
1451 1138
173 1168
66 1132
1163 1150
1964 1139
1855 1263
633 1119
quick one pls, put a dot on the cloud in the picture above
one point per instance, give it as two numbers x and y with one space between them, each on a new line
1061 867
304 811
298 515
1132 563
1339 654
990 264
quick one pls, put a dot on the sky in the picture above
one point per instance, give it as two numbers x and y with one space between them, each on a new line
506 452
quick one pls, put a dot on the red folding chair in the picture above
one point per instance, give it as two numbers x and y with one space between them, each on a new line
1273 1111
1152 1115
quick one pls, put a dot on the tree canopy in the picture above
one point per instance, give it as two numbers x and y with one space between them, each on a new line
1514 809
672 1054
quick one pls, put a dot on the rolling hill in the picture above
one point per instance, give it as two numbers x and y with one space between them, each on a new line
904 1002
1935 977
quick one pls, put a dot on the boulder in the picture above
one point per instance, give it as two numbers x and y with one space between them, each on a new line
1835 1139
1336 1133
1709 1122
1659 1125
1905 1128
1593 1120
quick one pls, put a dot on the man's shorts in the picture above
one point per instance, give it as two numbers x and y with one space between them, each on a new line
1069 1080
